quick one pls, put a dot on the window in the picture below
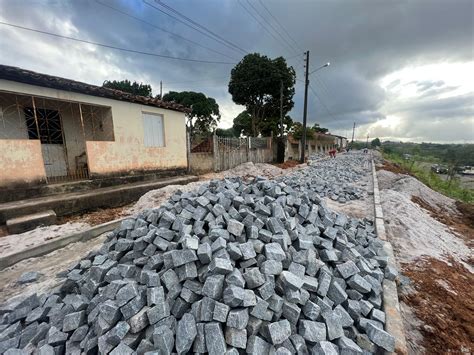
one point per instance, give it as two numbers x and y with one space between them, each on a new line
153 130
49 124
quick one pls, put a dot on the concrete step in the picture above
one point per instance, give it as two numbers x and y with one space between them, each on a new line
31 221
70 203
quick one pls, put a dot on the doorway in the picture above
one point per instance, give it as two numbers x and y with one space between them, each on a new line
48 129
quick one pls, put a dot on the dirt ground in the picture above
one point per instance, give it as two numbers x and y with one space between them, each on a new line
49 265
288 164
462 223
432 239
441 298
96 217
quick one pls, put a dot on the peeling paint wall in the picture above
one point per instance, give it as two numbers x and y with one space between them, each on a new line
128 151
125 154
21 162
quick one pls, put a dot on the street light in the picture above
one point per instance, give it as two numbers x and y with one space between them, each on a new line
305 109
321 67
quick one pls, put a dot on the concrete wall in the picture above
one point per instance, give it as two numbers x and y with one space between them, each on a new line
126 154
200 163
21 162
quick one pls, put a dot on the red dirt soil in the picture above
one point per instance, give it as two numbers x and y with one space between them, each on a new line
393 167
443 302
96 217
288 164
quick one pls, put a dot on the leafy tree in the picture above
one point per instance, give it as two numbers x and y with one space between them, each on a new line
127 86
255 83
297 131
271 125
226 132
243 124
204 115
375 143
318 129
266 127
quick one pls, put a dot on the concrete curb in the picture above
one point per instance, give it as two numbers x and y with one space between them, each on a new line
60 242
394 322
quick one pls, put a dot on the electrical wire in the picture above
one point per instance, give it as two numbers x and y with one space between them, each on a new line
274 29
194 23
278 22
162 29
260 23
322 103
115 47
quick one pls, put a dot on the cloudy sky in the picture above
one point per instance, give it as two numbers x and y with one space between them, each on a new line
400 69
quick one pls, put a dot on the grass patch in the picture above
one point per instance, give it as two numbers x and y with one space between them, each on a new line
451 188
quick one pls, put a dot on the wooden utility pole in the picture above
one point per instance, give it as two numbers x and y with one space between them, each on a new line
367 143
281 108
352 141
161 90
305 110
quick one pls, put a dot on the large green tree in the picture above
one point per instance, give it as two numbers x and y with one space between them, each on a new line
266 126
297 130
317 128
204 115
375 143
127 86
255 83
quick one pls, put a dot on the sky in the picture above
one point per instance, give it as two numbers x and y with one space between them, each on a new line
400 69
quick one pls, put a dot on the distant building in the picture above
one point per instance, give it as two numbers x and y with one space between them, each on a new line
54 129
321 143
341 141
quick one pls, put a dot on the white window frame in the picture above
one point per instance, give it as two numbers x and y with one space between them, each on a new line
151 138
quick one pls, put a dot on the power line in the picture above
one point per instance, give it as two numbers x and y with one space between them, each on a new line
199 25
274 29
258 21
188 25
115 47
278 22
323 88
212 35
321 101
162 29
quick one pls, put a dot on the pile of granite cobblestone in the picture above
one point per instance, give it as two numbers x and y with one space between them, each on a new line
257 267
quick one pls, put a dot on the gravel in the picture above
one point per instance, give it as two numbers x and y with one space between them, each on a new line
261 266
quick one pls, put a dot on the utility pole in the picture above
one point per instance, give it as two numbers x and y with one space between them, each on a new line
367 143
161 90
281 109
305 110
352 141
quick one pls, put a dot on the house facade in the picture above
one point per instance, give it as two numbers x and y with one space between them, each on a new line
321 143
54 130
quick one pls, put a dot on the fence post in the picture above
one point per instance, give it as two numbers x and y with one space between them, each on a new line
248 146
188 150
215 152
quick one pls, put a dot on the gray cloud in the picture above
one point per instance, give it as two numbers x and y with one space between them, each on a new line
363 40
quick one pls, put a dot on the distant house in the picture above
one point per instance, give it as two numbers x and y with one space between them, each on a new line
54 129
341 142
321 143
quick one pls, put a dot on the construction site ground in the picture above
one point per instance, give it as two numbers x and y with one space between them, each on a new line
431 234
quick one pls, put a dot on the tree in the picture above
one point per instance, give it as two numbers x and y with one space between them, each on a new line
297 131
375 143
267 126
318 129
126 86
255 83
243 124
204 115
226 132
